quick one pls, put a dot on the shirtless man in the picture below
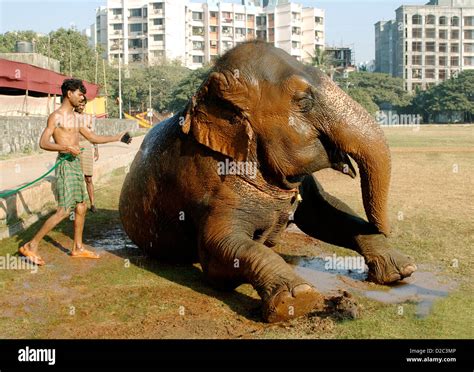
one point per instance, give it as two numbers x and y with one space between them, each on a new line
65 126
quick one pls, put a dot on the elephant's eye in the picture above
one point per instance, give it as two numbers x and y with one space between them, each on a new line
306 104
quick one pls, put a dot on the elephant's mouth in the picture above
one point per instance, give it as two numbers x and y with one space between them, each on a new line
293 182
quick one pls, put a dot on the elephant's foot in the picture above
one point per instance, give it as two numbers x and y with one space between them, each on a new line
288 302
389 266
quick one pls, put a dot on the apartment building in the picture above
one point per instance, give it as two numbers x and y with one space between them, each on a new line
427 44
146 31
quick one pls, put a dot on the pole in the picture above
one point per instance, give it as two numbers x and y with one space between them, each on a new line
96 65
105 87
120 86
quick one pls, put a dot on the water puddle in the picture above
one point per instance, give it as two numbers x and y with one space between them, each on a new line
423 287
113 240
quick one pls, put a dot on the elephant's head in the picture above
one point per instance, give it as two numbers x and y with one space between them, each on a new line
260 103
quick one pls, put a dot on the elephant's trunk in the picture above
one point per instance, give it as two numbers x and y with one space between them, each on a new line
353 130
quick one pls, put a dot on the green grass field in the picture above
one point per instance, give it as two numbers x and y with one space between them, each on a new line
124 295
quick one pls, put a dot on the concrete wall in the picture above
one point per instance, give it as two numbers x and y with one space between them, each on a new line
18 134
34 59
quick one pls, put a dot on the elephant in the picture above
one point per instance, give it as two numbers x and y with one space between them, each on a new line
261 106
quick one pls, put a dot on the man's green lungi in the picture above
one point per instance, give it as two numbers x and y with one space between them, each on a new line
69 181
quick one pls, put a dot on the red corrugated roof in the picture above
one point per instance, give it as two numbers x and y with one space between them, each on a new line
25 76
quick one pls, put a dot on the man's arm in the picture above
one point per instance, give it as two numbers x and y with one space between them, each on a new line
96 139
45 143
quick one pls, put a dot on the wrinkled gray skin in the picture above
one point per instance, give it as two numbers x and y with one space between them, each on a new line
291 120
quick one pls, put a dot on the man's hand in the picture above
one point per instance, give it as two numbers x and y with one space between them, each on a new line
73 149
96 154
125 137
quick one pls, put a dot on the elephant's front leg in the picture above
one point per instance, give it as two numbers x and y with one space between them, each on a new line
326 218
230 257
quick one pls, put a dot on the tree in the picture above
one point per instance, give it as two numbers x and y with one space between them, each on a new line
383 89
363 98
323 61
451 96
186 88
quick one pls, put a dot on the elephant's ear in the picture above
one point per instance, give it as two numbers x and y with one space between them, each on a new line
216 116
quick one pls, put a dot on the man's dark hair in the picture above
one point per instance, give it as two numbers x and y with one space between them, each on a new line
72 85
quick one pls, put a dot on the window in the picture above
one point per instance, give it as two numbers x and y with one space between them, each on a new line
469 34
135 57
240 31
417 86
198 59
118 26
442 74
430 20
443 61
430 74
158 37
213 44
468 61
197 16
319 20
239 16
213 14
227 30
430 33
443 47
262 35
406 46
443 34
135 27
250 18
296 31
416 73
158 53
227 45
295 44
431 46
469 21
443 21
416 19
416 60
430 60
455 34
135 12
469 48
261 20
213 29
455 21
135 43
198 31
158 22
226 15
117 12
416 46
158 6
417 33
454 61
198 45
455 48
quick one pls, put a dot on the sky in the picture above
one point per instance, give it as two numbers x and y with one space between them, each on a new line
348 23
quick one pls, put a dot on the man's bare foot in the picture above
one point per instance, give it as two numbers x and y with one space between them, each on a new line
29 250
83 253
